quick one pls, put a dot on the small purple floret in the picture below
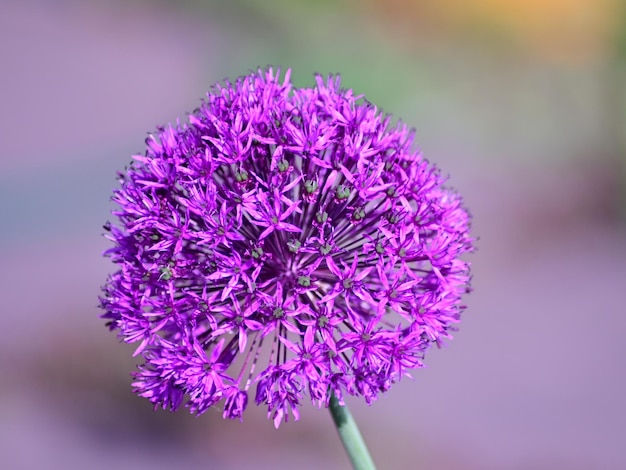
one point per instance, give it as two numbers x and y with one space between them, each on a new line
287 240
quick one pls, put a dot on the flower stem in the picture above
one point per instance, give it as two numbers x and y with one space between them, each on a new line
350 436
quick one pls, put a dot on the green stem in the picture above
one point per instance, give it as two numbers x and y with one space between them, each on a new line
350 436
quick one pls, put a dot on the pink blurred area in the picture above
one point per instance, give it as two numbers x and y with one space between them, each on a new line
529 127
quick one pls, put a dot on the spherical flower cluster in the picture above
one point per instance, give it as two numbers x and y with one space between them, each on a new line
284 241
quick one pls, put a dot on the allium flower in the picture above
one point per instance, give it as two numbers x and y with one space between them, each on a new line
288 241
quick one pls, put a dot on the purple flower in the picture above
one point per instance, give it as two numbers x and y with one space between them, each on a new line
285 240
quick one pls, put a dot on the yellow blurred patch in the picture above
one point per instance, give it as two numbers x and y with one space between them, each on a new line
571 30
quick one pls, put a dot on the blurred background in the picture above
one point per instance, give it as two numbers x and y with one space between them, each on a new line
522 103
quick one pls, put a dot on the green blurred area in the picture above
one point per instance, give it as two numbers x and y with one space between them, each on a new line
314 37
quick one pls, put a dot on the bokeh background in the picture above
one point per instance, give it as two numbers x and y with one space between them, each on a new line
522 103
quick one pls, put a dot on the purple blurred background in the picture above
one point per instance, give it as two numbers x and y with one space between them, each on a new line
523 103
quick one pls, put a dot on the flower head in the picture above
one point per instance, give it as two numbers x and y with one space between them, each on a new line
287 240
